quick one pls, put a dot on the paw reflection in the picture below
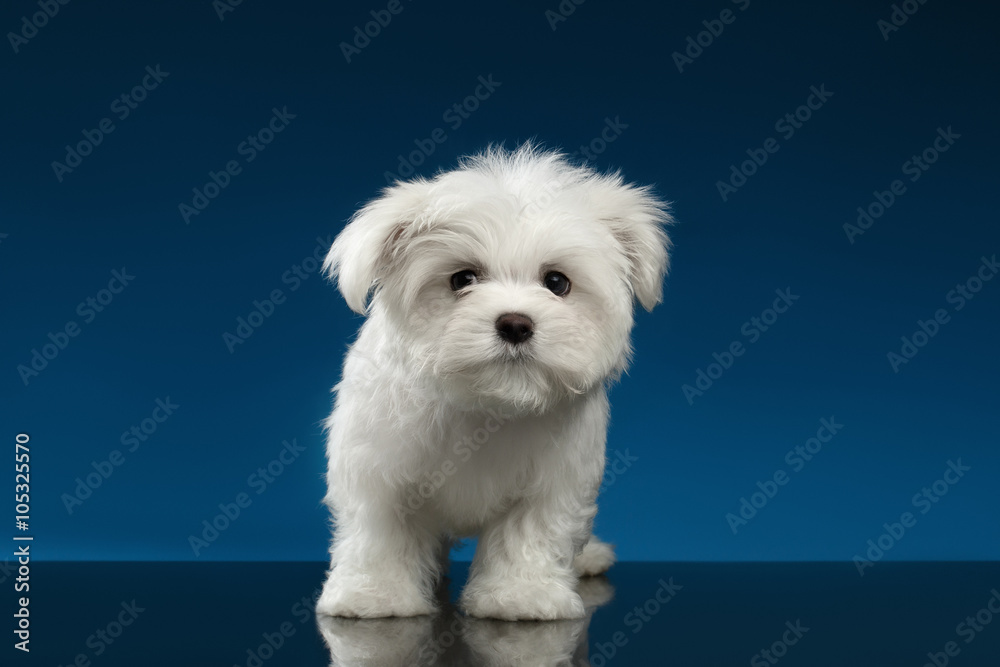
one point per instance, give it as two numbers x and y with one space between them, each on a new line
451 639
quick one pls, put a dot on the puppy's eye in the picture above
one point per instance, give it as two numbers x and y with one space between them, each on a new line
557 283
463 278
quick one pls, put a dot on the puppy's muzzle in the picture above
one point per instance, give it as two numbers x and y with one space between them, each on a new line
515 328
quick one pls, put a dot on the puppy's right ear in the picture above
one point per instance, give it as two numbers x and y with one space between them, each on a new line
369 246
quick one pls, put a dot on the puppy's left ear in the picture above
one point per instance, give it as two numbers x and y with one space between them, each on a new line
637 219
371 244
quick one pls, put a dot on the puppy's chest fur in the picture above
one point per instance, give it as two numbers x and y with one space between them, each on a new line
456 467
475 467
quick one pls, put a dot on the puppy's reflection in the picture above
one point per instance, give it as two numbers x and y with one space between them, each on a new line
450 639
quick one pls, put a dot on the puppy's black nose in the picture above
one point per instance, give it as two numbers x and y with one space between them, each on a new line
514 327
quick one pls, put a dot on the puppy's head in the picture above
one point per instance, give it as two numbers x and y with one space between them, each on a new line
511 279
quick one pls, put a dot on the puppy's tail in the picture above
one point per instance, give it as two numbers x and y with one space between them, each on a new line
595 558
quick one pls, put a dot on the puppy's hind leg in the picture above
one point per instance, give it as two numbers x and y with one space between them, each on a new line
595 557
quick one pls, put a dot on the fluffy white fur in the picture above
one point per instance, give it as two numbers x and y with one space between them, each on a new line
451 640
443 429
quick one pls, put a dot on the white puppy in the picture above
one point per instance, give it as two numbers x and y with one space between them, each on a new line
499 301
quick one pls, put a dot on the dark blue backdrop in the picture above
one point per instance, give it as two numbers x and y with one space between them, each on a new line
762 202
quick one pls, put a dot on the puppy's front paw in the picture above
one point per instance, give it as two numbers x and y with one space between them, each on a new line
364 597
518 599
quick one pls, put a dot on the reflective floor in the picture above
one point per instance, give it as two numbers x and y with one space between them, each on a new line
260 614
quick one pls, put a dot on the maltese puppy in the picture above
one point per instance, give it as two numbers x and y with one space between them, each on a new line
499 302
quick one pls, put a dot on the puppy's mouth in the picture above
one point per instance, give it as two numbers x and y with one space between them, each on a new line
503 356
510 353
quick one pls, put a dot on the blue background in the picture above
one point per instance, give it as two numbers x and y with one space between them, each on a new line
694 461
